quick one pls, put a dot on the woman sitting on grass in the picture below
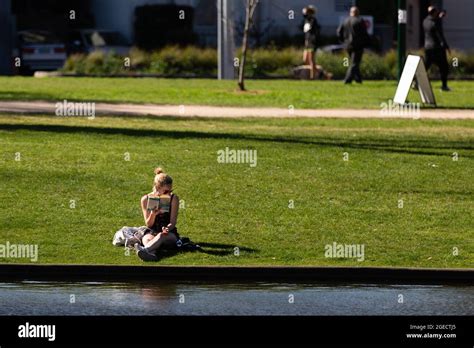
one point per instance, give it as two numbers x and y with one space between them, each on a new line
162 225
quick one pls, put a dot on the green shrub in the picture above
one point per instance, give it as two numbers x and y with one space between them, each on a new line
96 63
75 64
391 62
461 64
272 62
139 59
173 60
261 63
373 67
333 63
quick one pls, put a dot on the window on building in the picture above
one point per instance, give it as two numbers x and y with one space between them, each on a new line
344 5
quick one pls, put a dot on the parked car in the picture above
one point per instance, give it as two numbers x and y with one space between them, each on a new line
334 49
89 40
40 50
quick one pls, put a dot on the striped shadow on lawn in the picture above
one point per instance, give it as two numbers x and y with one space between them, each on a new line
399 190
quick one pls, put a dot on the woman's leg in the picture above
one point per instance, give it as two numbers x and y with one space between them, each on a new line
161 240
147 238
312 63
142 252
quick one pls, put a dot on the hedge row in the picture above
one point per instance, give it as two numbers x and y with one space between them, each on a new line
262 63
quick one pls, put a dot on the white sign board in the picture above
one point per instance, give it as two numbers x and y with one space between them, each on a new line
414 67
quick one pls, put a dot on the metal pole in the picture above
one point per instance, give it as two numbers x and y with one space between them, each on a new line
220 48
225 40
402 35
5 38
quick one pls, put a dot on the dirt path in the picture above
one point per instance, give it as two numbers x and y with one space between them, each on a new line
42 107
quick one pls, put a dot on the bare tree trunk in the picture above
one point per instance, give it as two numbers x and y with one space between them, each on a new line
249 11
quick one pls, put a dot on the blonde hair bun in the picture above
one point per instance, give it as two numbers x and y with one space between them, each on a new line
161 179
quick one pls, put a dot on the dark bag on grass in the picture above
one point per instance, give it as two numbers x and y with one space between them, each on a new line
185 244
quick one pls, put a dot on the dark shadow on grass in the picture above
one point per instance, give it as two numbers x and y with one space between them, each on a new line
26 96
222 249
165 253
390 145
432 192
168 118
426 107
214 249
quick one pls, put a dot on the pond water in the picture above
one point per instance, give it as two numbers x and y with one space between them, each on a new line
205 298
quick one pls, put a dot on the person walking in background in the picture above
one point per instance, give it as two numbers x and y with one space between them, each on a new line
442 15
311 29
353 32
436 45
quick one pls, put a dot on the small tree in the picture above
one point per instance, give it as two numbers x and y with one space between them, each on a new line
249 12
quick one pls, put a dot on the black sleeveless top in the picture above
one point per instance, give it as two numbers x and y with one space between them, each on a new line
163 220
311 35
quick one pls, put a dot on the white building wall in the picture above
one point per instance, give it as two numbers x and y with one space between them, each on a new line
413 24
459 23
118 14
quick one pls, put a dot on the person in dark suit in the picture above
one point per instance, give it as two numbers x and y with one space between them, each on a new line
436 45
353 32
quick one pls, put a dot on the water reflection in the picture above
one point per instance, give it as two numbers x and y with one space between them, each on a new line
201 298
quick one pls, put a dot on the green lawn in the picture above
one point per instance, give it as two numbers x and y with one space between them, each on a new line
234 205
262 93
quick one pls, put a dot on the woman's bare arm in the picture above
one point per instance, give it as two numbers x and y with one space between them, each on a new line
174 213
